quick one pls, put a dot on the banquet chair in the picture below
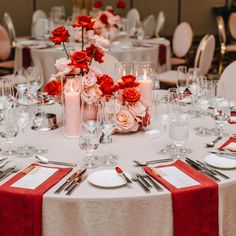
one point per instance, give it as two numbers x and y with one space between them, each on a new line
227 82
8 23
109 65
232 25
6 66
161 18
37 16
40 28
203 60
181 43
133 18
223 40
149 26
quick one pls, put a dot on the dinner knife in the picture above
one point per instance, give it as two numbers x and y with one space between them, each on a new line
75 185
123 175
67 182
78 176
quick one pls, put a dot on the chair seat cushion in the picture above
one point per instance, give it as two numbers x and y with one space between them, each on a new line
230 48
177 61
7 64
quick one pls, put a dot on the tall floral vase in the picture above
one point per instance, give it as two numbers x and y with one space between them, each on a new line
71 101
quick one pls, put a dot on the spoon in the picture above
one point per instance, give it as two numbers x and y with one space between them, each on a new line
145 163
44 160
3 163
212 144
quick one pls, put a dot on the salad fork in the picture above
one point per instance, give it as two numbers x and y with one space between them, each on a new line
135 178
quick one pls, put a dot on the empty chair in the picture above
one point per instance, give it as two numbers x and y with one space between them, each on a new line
203 60
40 28
161 18
133 18
37 15
8 23
150 26
232 25
227 82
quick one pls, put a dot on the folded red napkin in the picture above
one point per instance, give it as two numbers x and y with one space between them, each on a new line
26 57
232 114
162 54
195 208
230 140
21 209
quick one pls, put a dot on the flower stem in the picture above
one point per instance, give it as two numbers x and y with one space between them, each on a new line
92 56
63 44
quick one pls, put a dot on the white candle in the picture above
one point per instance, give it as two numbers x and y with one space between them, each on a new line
145 88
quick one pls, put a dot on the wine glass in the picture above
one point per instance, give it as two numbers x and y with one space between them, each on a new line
107 123
221 115
34 79
38 118
9 132
182 80
179 132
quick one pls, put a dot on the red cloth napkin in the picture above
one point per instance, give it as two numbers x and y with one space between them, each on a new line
26 57
195 208
232 114
162 54
230 140
21 209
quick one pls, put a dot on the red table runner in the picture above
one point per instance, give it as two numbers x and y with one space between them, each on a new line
21 209
195 208
232 114
162 54
26 57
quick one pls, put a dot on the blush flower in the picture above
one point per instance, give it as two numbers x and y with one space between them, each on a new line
63 68
138 109
99 42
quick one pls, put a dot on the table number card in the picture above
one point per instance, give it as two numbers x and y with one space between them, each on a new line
176 177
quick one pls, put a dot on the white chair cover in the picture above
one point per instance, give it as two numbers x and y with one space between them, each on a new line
205 54
182 39
5 44
38 14
41 27
227 82
108 67
232 25
221 29
150 26
133 17
7 21
161 18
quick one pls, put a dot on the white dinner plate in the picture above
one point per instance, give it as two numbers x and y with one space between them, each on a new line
107 179
220 162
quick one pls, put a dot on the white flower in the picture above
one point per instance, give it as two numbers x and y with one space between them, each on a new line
99 42
62 66
89 79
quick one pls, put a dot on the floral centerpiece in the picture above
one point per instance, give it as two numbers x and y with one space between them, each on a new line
94 86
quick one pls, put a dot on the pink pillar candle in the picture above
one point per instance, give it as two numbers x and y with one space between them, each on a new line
145 88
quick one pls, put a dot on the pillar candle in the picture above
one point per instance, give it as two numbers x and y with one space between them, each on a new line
145 88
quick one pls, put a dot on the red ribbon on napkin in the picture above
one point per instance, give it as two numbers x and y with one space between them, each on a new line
162 54
26 57
232 114
195 208
21 209
230 140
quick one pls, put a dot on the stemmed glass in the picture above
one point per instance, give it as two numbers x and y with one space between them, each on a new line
9 132
182 80
107 123
178 132
38 117
221 115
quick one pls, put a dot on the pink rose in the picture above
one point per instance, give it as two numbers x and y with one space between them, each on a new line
99 42
91 94
96 71
89 79
126 121
62 66
138 109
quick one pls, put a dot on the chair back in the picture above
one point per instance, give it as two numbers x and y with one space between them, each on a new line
161 18
205 54
150 26
133 17
38 14
109 65
8 23
5 44
227 82
232 25
182 39
221 29
40 28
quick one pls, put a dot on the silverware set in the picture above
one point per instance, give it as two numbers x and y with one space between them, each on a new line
145 163
7 172
206 170
72 182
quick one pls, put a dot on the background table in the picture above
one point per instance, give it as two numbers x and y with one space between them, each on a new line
121 211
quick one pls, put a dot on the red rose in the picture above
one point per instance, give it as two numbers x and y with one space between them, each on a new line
146 120
85 22
104 19
59 35
80 59
96 53
128 81
98 4
107 86
120 4
131 95
53 88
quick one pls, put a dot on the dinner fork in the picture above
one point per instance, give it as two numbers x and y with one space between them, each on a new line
141 184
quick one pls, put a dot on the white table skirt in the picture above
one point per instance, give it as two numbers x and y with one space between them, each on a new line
121 211
46 58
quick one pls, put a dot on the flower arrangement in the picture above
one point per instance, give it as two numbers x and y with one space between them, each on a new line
94 85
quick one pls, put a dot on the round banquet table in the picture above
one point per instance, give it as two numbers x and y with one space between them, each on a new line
126 210
45 57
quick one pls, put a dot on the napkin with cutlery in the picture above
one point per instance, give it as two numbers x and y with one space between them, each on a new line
21 199
195 207
229 145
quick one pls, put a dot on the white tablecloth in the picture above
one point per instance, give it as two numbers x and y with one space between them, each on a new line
45 58
121 211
